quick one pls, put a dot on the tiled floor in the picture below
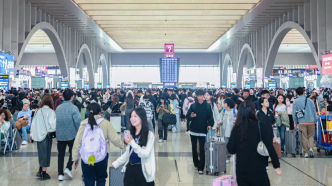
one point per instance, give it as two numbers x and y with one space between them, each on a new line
174 167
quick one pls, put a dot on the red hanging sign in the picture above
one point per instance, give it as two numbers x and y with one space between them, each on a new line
327 64
169 50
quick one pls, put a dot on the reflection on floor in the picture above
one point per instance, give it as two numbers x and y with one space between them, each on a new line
174 167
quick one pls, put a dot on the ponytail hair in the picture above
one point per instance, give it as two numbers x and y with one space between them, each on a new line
94 109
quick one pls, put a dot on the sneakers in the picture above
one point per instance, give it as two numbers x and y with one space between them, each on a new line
24 143
61 178
160 141
45 176
67 171
200 172
306 155
164 140
267 168
311 153
228 161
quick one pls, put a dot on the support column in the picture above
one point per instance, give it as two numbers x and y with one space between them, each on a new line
307 21
328 25
321 27
21 25
313 20
14 36
1 22
7 26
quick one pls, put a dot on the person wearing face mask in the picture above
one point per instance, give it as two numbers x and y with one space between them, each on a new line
139 158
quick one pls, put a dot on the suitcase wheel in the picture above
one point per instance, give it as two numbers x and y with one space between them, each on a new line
207 172
293 155
318 149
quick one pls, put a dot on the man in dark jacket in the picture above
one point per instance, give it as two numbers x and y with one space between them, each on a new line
264 94
182 97
201 117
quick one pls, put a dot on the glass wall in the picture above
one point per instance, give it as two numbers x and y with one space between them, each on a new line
198 74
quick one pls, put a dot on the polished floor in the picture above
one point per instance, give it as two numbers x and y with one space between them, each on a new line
174 167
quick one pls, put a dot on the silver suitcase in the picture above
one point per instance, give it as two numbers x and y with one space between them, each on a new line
293 142
215 158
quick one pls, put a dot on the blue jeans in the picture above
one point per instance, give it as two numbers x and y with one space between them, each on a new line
123 121
95 175
281 130
24 132
177 125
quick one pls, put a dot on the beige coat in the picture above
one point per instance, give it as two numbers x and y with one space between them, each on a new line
109 134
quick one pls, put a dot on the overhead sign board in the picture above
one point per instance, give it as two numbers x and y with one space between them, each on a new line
327 64
169 50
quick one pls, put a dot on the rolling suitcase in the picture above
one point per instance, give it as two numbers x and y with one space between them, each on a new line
215 158
293 140
226 179
116 176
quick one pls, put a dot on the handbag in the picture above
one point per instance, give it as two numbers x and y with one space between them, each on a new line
49 135
20 124
169 118
261 148
300 113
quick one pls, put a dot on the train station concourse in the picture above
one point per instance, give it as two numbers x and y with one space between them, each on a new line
150 92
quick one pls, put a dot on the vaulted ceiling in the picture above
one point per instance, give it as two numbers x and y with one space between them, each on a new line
148 24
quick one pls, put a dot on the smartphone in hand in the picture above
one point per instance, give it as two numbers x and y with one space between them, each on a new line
127 134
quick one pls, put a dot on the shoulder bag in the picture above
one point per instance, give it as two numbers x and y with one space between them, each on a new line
168 118
300 113
261 148
49 134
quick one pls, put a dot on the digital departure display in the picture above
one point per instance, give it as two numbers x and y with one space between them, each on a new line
169 70
4 82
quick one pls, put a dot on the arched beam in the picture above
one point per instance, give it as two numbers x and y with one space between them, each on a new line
85 50
103 61
225 75
276 42
246 49
56 42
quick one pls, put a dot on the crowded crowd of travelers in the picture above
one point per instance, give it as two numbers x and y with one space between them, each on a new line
76 117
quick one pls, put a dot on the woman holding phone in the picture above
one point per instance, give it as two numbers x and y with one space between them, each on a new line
139 157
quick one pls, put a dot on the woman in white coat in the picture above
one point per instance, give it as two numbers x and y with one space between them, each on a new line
139 159
216 116
43 124
228 116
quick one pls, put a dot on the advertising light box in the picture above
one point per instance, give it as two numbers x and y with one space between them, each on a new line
327 64
6 64
64 84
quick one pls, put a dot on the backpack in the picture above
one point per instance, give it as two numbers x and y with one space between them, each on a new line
171 109
148 110
93 145
189 104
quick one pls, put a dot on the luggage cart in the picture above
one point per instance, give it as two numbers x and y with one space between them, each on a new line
319 136
115 119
